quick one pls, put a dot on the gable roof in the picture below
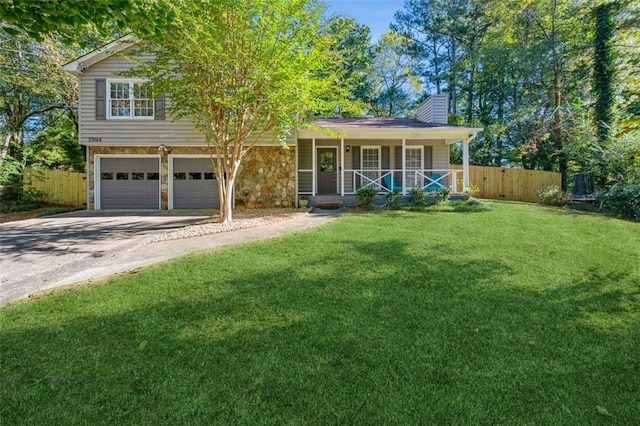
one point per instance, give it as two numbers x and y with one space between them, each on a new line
383 122
78 65
388 128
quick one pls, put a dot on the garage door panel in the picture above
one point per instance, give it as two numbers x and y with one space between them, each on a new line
129 183
194 184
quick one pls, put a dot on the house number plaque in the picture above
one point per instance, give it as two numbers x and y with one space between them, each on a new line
95 139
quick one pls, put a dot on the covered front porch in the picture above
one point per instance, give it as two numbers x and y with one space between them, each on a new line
388 160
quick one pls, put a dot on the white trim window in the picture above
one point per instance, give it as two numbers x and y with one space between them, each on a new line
370 164
129 99
413 164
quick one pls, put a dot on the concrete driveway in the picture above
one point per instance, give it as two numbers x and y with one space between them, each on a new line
41 253
54 251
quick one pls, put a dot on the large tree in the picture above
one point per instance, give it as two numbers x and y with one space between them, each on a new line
349 67
239 69
71 20
32 87
395 86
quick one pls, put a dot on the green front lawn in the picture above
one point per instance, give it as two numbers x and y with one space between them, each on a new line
520 315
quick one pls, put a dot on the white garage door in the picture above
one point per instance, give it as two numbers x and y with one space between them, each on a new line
194 184
129 183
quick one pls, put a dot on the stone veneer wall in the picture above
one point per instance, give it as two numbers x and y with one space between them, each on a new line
266 178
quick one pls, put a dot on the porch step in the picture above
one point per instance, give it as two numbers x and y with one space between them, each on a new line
328 205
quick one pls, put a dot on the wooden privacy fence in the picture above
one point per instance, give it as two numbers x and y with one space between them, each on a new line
69 188
499 183
58 186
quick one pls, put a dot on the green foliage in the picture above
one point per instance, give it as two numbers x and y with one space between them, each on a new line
417 196
239 69
604 69
401 317
32 196
71 20
10 179
391 199
56 147
552 196
621 159
394 83
623 198
366 195
438 196
34 91
348 69
16 207
470 205
468 193
536 114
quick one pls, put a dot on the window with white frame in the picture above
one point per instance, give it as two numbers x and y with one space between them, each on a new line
370 157
129 99
413 167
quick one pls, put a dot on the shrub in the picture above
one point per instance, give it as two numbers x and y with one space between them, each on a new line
417 196
439 195
470 205
10 179
32 195
391 199
623 199
552 196
366 195
470 192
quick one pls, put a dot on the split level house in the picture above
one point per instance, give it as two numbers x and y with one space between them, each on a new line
139 158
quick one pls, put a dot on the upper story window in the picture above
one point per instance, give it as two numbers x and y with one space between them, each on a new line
129 99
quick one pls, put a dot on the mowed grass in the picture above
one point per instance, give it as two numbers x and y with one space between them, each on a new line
520 315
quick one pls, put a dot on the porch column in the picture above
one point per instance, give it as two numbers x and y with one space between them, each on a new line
297 189
465 164
404 165
313 167
342 167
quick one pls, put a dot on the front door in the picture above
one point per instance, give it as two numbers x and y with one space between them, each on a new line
327 171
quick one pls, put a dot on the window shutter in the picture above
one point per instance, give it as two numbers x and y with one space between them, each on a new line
397 176
101 99
159 108
385 161
428 157
355 159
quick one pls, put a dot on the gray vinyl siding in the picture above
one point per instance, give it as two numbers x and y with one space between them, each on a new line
131 131
434 109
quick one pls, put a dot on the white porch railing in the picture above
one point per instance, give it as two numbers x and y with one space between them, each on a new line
385 182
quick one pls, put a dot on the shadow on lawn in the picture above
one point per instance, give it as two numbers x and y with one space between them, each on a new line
416 337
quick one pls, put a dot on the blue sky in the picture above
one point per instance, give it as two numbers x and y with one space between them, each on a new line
377 14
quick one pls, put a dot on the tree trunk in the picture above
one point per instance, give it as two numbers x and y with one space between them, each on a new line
558 119
6 141
452 78
436 65
470 92
604 70
500 117
227 166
